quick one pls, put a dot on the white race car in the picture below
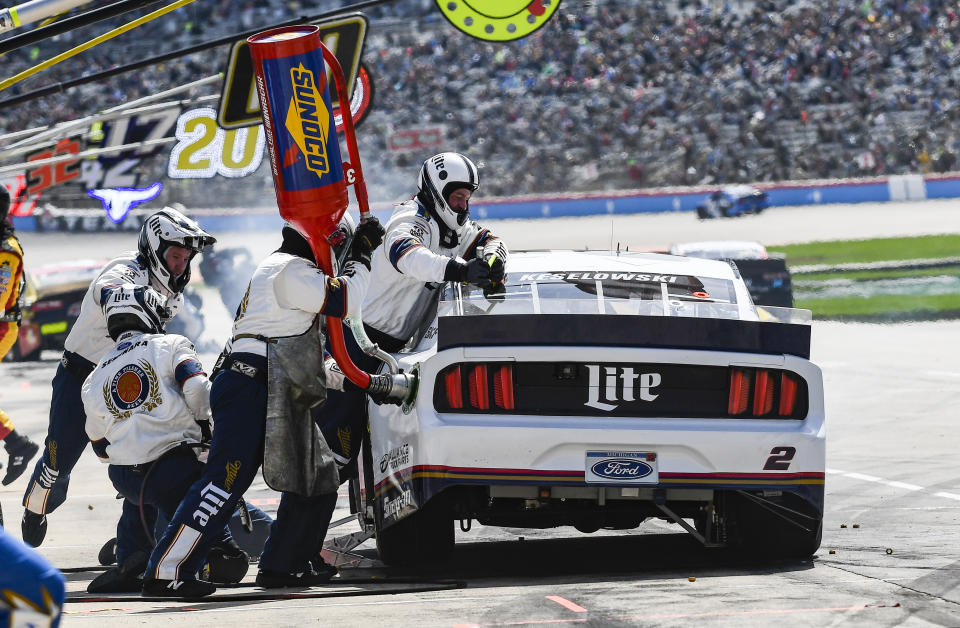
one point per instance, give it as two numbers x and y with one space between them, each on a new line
601 390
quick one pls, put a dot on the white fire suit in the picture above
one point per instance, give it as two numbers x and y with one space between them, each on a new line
145 397
88 337
409 267
86 343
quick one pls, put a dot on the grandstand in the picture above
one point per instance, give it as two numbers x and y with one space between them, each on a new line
610 95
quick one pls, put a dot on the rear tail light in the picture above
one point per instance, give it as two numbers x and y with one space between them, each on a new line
754 393
763 393
477 385
479 395
453 388
503 387
788 394
739 391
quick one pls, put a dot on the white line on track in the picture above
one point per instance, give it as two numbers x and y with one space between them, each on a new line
893 483
944 373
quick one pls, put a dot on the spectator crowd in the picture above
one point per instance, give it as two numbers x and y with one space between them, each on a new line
610 95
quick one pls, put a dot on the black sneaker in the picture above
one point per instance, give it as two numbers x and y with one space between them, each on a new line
269 579
155 587
108 553
21 452
127 578
33 528
322 567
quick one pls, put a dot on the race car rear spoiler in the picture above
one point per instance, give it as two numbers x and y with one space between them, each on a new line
624 331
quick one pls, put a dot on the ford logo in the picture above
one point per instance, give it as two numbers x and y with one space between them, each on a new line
621 469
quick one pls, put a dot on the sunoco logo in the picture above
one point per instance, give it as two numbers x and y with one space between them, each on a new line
308 120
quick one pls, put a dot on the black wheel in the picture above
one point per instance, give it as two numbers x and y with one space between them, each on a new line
785 527
424 537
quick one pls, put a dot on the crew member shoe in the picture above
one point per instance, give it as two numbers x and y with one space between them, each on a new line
269 579
155 587
33 528
21 451
127 578
108 553
322 567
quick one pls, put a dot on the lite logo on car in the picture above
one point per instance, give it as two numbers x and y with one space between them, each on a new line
622 469
620 384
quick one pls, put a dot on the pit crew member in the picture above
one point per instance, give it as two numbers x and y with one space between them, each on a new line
32 590
148 407
19 447
167 244
430 239
269 377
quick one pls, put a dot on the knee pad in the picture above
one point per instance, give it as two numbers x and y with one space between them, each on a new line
226 565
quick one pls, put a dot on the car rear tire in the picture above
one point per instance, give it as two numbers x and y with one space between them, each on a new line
793 530
424 537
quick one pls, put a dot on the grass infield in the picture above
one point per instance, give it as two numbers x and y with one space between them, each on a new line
876 303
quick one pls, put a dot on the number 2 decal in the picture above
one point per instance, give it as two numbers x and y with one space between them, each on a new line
780 458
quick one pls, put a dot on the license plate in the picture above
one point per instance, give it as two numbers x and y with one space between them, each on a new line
621 467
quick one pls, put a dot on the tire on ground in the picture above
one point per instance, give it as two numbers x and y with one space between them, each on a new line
424 537
763 534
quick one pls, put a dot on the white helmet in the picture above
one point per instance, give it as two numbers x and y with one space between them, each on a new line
166 228
440 176
135 308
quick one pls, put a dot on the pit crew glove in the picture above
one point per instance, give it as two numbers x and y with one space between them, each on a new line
495 288
366 239
495 291
476 271
496 268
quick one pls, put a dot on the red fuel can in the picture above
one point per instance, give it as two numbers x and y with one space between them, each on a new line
301 135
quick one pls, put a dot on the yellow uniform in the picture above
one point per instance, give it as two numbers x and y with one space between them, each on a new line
11 282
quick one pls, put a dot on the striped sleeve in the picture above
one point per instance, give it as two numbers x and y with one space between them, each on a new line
400 248
186 369
335 303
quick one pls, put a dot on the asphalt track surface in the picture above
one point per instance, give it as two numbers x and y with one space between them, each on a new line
889 555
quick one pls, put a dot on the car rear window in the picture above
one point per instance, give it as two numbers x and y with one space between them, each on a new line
597 292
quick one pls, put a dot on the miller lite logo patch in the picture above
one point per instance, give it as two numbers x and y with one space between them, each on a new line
308 122
129 387
133 386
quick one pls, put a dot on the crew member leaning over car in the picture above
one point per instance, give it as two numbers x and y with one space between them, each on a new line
168 243
430 240
20 448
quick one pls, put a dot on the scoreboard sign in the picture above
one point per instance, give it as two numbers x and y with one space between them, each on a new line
239 106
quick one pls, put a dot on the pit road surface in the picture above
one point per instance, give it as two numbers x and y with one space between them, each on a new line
892 480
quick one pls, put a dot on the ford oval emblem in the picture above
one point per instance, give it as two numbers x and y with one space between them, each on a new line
621 469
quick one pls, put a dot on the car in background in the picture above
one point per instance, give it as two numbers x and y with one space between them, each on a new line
733 200
601 390
54 294
767 276
51 305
